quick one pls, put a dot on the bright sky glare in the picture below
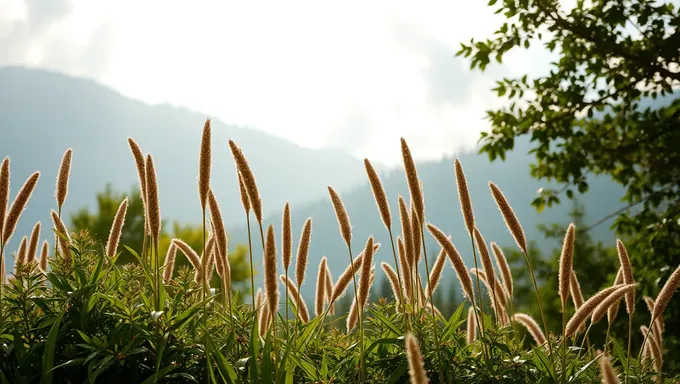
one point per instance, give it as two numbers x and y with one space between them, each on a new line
351 75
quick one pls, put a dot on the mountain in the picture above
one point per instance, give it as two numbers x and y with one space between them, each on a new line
43 113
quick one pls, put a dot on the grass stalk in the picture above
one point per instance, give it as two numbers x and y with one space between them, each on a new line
250 255
434 316
401 286
540 304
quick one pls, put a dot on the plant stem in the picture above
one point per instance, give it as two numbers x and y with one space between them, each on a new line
479 312
361 327
273 313
434 317
250 254
540 305
287 298
630 336
564 343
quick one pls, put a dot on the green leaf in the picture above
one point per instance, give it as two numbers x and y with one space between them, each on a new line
226 370
254 351
183 317
48 356
385 321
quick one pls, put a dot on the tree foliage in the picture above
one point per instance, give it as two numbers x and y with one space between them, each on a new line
607 106
98 226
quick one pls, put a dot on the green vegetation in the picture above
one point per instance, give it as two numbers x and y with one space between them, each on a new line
607 106
85 318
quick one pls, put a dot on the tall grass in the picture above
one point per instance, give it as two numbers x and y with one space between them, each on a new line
78 316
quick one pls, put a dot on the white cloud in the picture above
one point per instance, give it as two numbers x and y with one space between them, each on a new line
356 75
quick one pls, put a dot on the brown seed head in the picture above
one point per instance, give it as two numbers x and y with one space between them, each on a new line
502 263
605 296
33 243
17 207
407 233
393 279
320 287
4 193
190 254
153 205
414 185
21 253
627 274
64 240
246 173
566 265
116 229
329 290
366 265
271 287
141 174
303 250
44 260
532 327
471 325
607 370
665 294
416 235
345 278
169 262
416 365
62 177
436 272
300 304
244 193
221 241
204 163
511 220
287 241
456 260
614 308
486 261
341 215
464 197
379 194
405 268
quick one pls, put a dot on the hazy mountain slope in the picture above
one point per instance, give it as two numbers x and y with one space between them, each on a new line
43 113
442 209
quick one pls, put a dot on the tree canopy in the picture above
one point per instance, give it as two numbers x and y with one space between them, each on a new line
608 105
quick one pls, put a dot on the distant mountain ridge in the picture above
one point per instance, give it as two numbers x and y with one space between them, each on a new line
43 113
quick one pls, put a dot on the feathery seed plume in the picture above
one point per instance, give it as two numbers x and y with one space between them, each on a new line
320 287
437 269
62 177
414 185
300 305
416 365
614 308
245 201
21 253
486 263
627 274
511 220
392 278
4 192
605 297
204 164
116 229
405 269
341 215
502 263
18 205
303 250
221 241
190 254
329 290
271 287
141 174
65 241
366 265
407 233
607 370
287 234
153 205
471 325
169 262
44 256
456 260
665 294
379 194
416 235
33 243
246 173
657 327
532 327
464 197
566 265
345 278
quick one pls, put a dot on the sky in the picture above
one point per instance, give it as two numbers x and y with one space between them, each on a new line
350 75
